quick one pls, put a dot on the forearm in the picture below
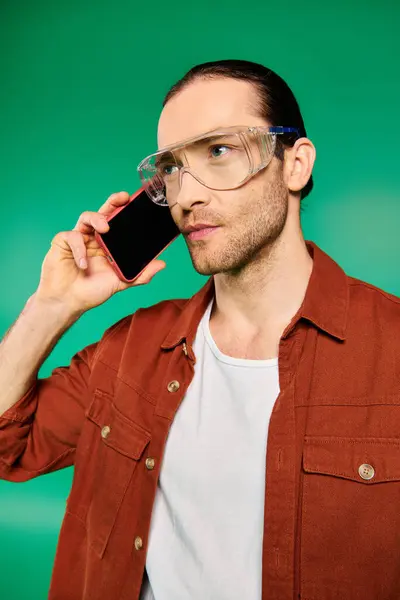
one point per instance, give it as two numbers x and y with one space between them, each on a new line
26 346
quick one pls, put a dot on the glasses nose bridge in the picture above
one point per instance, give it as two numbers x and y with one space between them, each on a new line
190 172
187 164
186 159
182 170
190 193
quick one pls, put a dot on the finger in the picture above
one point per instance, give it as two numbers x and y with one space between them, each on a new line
91 221
75 242
113 202
152 269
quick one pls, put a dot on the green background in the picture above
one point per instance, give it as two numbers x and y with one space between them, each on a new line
81 89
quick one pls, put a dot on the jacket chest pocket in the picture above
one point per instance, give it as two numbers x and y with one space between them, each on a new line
350 530
120 446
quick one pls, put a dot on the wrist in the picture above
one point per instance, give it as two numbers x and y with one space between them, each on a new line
53 310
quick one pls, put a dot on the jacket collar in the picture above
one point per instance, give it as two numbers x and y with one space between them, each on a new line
325 304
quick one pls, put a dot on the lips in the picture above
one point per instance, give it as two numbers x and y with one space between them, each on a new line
197 227
197 234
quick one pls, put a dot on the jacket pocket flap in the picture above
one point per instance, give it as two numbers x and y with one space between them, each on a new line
117 431
366 460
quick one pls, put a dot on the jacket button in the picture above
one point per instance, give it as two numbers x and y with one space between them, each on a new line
366 471
150 463
105 431
173 386
138 543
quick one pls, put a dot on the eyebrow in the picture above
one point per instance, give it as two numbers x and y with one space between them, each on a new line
160 159
209 138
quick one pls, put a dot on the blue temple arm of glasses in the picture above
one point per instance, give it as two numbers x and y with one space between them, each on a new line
284 130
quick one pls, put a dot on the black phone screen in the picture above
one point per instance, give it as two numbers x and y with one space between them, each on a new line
138 233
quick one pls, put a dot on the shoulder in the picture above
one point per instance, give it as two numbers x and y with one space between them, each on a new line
149 322
372 304
362 289
163 311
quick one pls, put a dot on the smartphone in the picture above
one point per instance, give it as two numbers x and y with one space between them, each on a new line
139 232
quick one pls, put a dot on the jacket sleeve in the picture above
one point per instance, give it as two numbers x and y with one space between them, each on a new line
39 433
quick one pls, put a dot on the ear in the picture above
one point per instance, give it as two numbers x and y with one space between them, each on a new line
299 162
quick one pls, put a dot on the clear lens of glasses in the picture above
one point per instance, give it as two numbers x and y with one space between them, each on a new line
220 161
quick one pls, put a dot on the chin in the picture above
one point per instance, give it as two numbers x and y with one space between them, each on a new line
205 269
213 267
223 259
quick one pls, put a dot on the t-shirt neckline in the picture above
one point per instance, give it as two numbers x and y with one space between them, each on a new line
231 360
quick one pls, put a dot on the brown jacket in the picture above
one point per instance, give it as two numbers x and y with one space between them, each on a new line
332 499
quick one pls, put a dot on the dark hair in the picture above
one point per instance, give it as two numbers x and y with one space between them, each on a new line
277 103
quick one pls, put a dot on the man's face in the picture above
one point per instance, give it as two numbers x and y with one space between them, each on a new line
249 218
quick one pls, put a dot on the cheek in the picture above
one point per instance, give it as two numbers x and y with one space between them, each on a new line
238 214
242 207
245 204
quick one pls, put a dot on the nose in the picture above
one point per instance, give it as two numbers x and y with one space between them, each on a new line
191 191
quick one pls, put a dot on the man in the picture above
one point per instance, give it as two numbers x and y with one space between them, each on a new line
243 444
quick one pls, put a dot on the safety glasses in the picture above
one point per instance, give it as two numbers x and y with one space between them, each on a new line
220 160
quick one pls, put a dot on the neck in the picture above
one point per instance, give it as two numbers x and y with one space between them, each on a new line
261 299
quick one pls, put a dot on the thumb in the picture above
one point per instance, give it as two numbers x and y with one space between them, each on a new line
148 273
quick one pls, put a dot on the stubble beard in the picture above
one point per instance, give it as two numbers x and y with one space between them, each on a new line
251 234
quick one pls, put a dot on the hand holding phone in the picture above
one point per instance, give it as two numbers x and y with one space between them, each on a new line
76 273
138 232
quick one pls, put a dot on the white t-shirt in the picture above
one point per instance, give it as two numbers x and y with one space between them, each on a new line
207 525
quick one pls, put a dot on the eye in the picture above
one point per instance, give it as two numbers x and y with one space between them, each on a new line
219 150
167 170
